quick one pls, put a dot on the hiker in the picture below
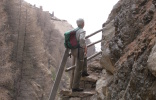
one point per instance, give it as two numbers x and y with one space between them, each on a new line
80 55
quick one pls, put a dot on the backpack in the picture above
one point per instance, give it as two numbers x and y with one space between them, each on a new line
71 41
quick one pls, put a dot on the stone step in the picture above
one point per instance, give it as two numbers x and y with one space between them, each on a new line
90 78
69 93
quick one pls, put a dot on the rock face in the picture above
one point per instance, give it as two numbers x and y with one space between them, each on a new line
129 50
31 48
151 61
108 33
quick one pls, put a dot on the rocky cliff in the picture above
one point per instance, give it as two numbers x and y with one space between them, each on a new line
128 56
31 48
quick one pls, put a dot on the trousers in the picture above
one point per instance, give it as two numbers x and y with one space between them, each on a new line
81 65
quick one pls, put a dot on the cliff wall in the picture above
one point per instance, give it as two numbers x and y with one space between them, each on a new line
31 50
129 52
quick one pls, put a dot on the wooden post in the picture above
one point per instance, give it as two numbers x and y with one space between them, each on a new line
72 74
59 75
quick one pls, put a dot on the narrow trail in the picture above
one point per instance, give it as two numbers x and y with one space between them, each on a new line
88 83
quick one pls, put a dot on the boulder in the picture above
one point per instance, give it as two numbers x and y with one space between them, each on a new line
106 61
107 35
103 83
151 63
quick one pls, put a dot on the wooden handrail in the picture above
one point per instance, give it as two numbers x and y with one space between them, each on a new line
94 43
94 33
59 75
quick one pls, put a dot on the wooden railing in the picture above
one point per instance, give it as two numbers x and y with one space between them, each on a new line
89 58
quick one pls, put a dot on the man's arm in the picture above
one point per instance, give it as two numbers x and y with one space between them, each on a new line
83 41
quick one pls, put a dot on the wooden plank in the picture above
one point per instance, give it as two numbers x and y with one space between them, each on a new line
94 33
59 75
94 43
96 54
70 68
69 93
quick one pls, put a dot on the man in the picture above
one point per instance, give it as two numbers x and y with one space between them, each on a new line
79 54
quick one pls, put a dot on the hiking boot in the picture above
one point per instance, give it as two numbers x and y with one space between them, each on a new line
84 74
77 90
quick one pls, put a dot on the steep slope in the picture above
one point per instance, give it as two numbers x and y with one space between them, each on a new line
129 37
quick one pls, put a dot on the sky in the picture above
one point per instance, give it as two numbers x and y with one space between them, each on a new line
94 12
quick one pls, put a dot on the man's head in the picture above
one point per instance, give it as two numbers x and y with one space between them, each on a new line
80 23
